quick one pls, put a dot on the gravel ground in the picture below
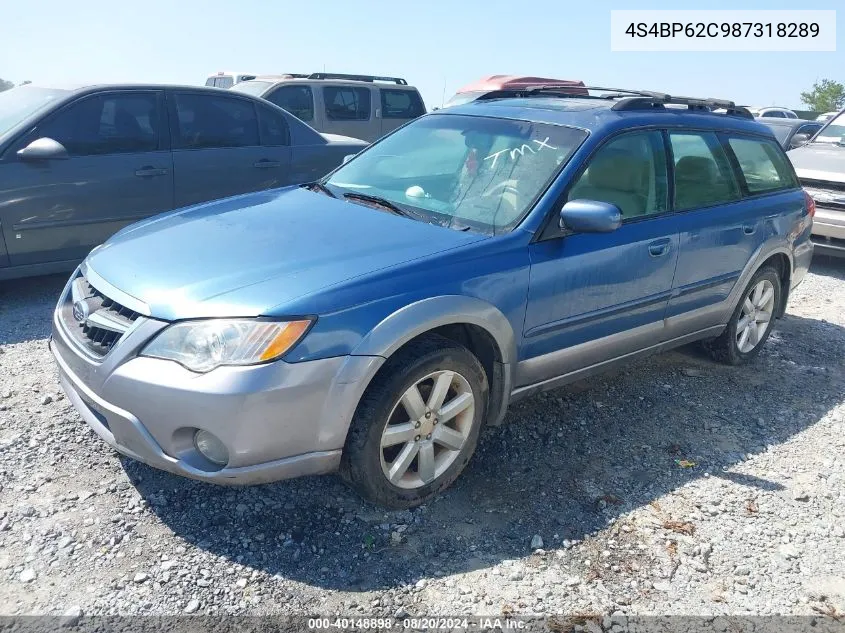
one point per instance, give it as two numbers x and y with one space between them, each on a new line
672 486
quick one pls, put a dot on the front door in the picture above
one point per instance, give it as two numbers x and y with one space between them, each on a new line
118 170
597 296
225 145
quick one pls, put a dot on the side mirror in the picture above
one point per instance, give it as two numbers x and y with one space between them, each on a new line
798 140
590 216
43 149
347 158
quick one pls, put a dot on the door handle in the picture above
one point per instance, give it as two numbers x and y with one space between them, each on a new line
265 163
149 171
748 229
656 249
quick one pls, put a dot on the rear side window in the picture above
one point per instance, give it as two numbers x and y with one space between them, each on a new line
115 123
763 164
209 120
345 103
274 127
774 114
703 176
209 81
298 100
224 82
400 104
630 172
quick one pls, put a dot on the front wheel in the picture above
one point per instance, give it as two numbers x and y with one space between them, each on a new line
417 425
751 322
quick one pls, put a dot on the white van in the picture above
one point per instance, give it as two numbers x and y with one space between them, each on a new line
227 79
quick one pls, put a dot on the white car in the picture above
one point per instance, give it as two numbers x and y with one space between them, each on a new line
227 79
827 116
780 113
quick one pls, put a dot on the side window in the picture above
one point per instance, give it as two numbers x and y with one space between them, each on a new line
763 164
774 114
703 175
298 100
224 82
210 81
809 130
274 127
630 172
400 104
115 123
209 120
344 103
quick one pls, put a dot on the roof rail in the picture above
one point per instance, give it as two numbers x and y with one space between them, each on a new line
369 78
628 99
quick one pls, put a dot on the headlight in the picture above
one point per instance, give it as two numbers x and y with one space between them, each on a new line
203 345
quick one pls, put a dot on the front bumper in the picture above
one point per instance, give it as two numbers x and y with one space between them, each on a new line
278 420
829 231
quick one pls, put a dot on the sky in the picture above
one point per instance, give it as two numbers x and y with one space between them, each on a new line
436 45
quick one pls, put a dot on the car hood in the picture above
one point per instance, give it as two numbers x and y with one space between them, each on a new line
244 256
819 161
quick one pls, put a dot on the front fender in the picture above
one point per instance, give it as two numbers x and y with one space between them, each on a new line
424 315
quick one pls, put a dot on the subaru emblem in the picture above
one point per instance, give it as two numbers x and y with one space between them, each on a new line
80 311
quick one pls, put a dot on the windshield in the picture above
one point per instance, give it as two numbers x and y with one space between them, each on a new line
466 172
19 103
781 132
254 88
463 97
834 132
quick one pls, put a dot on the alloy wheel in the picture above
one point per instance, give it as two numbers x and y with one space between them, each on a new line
757 311
426 430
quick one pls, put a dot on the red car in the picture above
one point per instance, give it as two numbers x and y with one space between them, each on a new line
514 83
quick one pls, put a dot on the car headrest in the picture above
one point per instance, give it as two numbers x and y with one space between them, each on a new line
618 170
698 169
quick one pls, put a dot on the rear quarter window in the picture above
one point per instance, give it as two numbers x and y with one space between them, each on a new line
401 104
763 164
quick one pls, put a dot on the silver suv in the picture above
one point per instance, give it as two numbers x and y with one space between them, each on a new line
365 107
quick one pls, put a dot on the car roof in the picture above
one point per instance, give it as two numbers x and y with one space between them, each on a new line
328 80
514 82
596 114
783 122
95 87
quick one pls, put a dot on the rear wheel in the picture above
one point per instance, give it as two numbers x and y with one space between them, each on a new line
417 425
751 322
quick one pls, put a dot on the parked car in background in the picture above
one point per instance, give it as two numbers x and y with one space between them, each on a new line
374 321
791 133
820 165
77 165
511 83
362 106
827 116
227 79
773 112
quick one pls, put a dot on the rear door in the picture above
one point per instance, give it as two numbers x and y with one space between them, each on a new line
218 149
118 170
348 110
727 200
397 107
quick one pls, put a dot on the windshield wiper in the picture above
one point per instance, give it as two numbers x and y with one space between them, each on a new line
385 204
318 186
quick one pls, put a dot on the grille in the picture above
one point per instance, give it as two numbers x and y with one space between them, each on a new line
95 321
828 195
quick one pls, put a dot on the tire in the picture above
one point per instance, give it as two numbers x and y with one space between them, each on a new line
726 348
367 466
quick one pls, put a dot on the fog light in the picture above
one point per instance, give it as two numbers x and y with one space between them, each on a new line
211 448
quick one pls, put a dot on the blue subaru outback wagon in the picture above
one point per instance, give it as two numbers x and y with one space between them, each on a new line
373 321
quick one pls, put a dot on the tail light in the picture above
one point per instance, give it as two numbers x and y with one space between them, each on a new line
811 204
